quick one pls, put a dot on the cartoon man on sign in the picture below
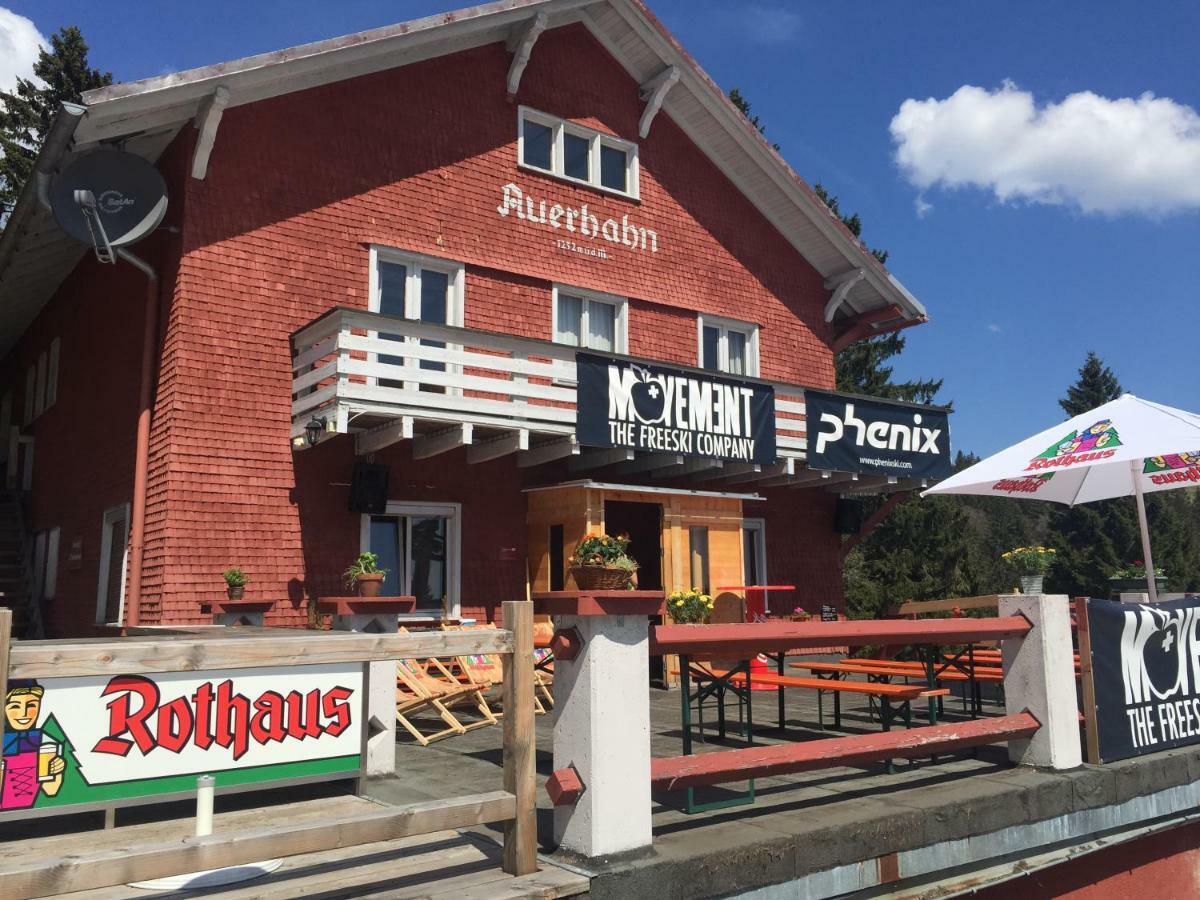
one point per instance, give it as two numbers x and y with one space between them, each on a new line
32 762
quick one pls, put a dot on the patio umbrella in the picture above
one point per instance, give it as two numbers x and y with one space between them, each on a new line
1127 447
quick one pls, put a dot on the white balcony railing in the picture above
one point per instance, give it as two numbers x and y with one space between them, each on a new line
404 378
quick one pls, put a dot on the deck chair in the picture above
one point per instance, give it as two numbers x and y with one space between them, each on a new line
543 658
418 691
485 669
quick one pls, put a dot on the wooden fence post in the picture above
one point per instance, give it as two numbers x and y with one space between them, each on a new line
1090 734
5 641
520 833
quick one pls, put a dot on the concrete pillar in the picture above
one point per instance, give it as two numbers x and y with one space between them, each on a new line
602 703
1039 675
381 692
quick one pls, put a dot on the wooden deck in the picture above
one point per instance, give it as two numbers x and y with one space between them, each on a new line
443 864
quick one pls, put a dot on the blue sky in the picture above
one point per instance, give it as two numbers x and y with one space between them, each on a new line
1032 234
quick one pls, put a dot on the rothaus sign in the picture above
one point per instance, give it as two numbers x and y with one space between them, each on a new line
857 434
1146 671
689 413
100 740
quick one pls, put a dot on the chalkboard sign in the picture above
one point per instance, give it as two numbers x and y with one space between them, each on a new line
828 613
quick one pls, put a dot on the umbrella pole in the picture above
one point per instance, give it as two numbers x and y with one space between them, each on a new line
1141 511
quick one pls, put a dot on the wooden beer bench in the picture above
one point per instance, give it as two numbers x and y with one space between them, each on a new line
884 692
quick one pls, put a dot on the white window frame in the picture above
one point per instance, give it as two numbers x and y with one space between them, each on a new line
415 264
52 374
759 525
50 576
621 325
725 326
111 515
39 397
30 393
452 512
597 139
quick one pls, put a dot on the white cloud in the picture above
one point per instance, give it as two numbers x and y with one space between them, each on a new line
994 328
1088 152
19 42
922 206
769 24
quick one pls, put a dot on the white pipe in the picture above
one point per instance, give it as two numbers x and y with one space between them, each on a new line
205 785
1134 465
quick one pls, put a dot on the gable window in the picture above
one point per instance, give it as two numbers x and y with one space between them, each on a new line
419 546
421 288
575 153
728 346
590 320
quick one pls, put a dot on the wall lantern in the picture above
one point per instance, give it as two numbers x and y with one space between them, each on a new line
313 430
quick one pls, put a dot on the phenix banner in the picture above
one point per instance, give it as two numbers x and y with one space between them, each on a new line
1146 672
689 413
93 740
856 434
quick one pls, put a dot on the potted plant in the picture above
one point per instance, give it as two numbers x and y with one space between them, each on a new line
235 583
365 574
800 614
1031 565
1132 578
600 563
691 607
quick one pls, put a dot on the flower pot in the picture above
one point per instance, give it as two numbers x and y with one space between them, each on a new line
370 584
235 592
1135 585
600 578
1032 584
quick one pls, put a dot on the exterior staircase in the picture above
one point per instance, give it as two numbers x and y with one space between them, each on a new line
16 568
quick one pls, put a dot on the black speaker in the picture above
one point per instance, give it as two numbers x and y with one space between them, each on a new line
848 518
369 488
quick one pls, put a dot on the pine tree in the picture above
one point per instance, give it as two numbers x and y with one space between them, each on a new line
1093 539
1097 385
860 369
743 105
27 112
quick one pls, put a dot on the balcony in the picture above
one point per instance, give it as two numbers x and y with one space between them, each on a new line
386 379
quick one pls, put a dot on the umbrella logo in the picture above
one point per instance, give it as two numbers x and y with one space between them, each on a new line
1173 467
1026 484
1095 443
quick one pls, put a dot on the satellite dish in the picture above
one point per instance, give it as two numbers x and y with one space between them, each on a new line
108 198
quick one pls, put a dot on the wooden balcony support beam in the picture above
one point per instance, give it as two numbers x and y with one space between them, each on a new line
653 462
429 445
549 451
494 448
597 459
384 435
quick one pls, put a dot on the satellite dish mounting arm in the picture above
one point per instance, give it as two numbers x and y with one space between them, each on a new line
86 201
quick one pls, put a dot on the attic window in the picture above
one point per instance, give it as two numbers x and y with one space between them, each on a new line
574 153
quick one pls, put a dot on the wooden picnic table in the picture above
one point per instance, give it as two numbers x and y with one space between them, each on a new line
883 668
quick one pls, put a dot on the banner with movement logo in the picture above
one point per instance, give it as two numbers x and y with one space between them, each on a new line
1146 671
858 434
662 410
97 740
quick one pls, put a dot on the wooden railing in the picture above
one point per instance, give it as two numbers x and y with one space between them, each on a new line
742 641
514 805
352 361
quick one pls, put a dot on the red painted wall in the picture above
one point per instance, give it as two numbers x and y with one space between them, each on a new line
1165 866
415 158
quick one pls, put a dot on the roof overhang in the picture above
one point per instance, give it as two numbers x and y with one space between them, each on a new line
146 115
588 484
